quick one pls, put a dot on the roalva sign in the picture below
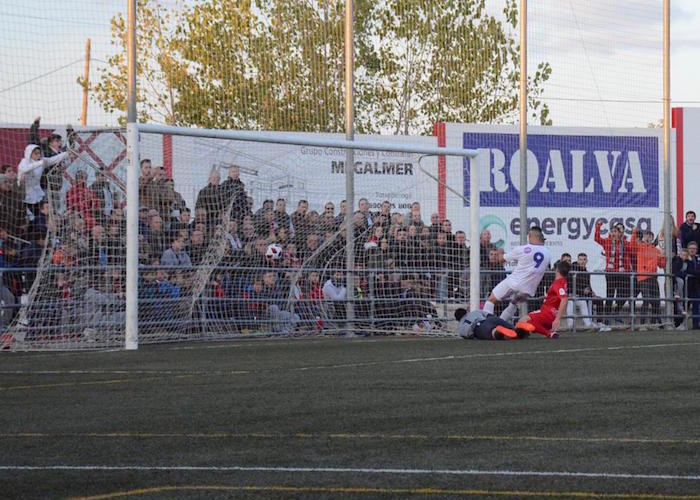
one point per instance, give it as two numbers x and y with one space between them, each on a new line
567 170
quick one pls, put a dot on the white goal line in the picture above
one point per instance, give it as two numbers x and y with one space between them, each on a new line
297 140
353 470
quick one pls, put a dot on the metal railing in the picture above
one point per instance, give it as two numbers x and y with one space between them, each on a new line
386 300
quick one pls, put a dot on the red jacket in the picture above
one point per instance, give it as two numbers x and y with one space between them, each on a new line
83 200
614 267
649 258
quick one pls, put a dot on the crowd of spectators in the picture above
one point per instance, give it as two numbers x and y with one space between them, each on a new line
403 264
631 273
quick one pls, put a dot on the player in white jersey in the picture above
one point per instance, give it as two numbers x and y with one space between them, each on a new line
532 261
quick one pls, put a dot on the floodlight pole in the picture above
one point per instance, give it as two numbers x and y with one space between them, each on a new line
132 189
523 122
86 84
668 232
349 164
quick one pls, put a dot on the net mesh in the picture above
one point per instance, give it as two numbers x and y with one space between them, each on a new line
444 73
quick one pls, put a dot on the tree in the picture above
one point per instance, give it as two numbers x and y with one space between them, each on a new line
157 67
447 60
279 65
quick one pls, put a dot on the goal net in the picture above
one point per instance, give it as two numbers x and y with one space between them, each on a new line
241 238
442 73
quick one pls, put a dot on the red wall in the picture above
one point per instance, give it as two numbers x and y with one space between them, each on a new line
12 144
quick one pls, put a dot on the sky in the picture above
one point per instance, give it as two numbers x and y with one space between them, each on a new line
606 58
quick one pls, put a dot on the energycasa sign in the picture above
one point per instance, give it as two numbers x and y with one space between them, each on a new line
575 177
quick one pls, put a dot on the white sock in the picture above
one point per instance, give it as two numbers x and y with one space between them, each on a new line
488 307
509 312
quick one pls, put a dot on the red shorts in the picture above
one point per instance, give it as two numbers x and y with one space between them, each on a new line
542 320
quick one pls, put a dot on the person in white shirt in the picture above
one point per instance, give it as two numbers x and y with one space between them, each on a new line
335 293
531 262
334 287
29 174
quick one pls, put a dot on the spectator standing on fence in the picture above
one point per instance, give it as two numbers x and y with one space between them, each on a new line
689 230
29 174
649 259
50 147
618 260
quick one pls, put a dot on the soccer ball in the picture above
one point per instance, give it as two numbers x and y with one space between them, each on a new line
274 251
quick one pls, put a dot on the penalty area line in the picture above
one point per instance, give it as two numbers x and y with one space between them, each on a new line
352 470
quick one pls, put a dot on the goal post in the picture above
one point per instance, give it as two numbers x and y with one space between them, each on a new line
275 139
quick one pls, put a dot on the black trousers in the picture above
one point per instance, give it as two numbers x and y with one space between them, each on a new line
651 308
484 329
616 286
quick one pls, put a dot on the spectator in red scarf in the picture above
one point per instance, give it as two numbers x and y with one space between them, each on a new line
617 261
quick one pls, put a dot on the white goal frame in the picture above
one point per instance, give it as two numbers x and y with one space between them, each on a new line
132 195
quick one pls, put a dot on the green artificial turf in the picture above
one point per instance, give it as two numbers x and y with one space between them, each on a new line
607 404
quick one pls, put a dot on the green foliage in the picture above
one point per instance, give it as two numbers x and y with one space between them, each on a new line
279 65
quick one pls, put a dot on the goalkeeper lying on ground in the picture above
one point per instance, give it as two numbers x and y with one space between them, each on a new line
481 325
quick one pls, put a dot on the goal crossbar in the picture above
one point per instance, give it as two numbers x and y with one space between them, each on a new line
296 140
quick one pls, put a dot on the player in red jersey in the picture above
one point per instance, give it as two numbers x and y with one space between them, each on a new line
547 318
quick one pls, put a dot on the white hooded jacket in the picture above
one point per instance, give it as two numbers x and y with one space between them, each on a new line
30 172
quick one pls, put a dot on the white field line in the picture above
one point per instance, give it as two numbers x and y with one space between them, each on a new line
351 470
362 364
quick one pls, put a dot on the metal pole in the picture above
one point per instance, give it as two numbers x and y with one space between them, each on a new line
523 122
86 84
349 164
132 189
668 244
474 248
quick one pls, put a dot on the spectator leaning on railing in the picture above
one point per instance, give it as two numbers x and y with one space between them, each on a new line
618 259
